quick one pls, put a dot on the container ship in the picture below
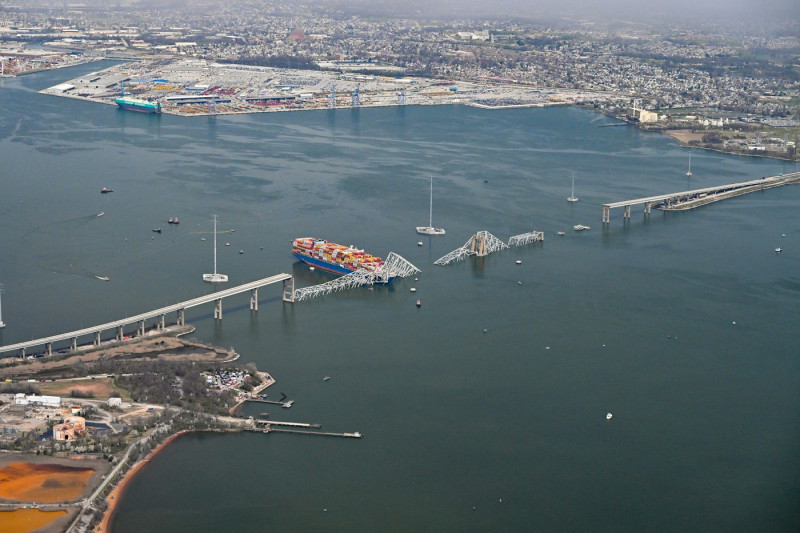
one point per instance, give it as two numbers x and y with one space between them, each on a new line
134 104
336 258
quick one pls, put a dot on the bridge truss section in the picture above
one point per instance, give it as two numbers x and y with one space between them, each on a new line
394 266
524 239
481 244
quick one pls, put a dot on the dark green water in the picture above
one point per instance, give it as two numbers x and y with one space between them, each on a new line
465 430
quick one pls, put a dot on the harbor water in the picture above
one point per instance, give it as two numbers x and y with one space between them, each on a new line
484 409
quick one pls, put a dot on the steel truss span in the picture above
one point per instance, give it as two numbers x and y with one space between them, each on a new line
394 266
526 238
480 244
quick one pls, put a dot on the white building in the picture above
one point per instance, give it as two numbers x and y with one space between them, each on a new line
47 401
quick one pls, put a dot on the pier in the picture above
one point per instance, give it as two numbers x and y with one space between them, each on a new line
291 424
355 435
680 201
118 326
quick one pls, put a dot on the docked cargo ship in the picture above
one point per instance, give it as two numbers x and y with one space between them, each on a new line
336 258
134 104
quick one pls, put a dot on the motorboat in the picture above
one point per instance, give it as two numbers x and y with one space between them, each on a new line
580 227
105 190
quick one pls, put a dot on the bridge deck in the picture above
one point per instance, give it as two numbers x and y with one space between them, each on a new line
661 197
150 314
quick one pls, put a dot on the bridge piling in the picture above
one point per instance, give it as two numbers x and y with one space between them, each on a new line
254 299
218 309
288 290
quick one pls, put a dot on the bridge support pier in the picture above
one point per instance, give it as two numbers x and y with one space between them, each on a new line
218 309
478 245
48 348
288 290
120 334
140 329
647 207
181 317
627 212
73 345
162 323
96 340
606 214
254 299
22 353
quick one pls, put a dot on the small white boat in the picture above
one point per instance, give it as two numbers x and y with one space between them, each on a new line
412 289
419 243
560 233
101 213
518 262
778 250
326 378
572 197
103 278
419 303
608 416
689 172
429 229
215 277
580 227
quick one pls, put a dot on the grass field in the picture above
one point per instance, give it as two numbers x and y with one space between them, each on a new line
100 389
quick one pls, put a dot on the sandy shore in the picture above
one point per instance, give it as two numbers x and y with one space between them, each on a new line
114 496
684 136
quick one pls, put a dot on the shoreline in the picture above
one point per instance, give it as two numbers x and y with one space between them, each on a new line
113 497
685 136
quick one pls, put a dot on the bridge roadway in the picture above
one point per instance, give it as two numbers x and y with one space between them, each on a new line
160 314
698 197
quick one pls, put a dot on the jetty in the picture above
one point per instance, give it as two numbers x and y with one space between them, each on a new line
684 200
